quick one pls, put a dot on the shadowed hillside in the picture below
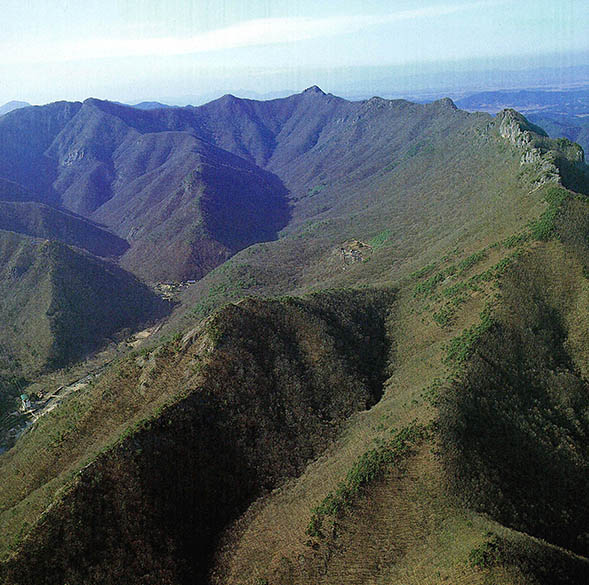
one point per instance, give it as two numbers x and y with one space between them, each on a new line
183 205
515 425
41 221
258 392
191 207
59 304
26 134
427 425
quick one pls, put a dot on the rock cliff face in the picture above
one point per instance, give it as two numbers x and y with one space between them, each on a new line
547 161
515 128
521 134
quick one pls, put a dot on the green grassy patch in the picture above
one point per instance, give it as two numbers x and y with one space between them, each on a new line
369 467
380 239
316 189
471 261
460 347
429 286
423 272
544 228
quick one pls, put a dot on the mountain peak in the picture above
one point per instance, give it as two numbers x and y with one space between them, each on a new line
92 101
314 89
13 105
446 102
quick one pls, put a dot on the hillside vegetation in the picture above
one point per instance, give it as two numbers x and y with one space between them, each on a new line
149 176
257 392
422 419
58 304
171 181
41 221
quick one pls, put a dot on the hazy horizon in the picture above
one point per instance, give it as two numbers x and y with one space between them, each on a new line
143 50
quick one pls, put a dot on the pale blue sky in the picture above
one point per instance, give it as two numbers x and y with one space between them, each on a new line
148 49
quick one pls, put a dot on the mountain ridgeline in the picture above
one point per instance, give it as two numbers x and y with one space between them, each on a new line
187 188
58 301
380 375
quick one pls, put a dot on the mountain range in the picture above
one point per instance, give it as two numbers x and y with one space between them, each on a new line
561 112
377 374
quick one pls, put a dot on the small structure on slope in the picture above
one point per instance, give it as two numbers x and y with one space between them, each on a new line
355 251
25 402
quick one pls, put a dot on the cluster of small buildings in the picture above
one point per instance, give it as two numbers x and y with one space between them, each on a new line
168 289
355 251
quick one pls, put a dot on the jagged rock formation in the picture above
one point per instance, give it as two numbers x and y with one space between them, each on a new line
514 128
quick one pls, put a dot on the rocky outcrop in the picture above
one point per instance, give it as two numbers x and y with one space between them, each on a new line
514 128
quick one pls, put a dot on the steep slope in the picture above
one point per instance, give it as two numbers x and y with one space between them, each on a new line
82 154
377 518
337 159
186 206
508 437
336 438
58 304
515 424
258 391
271 133
349 169
564 125
26 134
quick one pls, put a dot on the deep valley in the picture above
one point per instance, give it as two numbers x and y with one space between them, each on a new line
320 341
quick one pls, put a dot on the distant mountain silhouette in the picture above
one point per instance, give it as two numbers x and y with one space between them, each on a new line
151 105
13 105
